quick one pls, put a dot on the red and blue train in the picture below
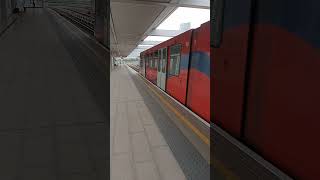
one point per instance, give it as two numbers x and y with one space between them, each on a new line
266 72
181 67
265 63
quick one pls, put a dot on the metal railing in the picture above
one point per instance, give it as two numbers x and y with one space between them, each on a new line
77 17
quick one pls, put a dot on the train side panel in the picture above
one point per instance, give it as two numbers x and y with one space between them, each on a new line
191 90
177 80
198 98
266 93
142 69
283 119
229 60
151 71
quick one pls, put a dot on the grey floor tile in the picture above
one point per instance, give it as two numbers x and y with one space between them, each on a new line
121 167
154 135
168 166
140 147
145 115
76 176
42 86
147 171
135 121
74 158
38 173
10 154
121 132
39 148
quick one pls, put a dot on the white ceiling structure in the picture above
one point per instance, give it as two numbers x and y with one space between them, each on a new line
133 20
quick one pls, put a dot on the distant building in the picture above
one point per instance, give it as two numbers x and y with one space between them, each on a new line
185 26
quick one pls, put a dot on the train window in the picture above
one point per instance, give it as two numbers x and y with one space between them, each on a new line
175 55
150 60
159 60
164 59
155 58
145 60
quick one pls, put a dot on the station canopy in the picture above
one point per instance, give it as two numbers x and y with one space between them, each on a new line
143 23
181 20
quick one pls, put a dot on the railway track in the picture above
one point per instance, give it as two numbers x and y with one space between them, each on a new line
81 19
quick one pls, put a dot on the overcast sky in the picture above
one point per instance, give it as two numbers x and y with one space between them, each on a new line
184 15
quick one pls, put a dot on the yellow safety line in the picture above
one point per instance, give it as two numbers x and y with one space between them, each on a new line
203 137
227 173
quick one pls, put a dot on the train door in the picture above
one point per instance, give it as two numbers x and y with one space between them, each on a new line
155 67
147 64
142 64
162 69
229 43
145 59
159 59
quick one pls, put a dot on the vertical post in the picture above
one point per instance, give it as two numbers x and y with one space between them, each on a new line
3 13
101 23
101 33
93 6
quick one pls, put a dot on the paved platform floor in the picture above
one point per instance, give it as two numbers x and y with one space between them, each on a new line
51 127
52 120
138 149
145 142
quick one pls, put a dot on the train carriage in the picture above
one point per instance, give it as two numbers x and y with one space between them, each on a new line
266 79
151 69
198 94
265 61
181 67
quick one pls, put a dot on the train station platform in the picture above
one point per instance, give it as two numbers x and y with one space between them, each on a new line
52 123
53 111
145 142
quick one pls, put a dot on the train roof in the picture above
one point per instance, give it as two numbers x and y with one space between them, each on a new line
172 40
